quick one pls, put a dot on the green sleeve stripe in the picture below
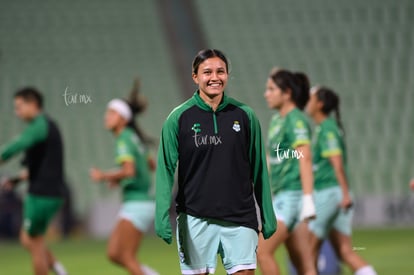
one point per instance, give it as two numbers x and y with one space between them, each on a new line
300 142
331 153
35 132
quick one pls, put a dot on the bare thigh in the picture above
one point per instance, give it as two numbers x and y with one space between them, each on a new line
124 240
299 249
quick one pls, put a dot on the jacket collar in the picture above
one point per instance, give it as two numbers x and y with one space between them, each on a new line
204 106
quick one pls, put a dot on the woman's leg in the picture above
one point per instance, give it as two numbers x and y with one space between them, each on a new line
54 264
299 246
267 249
36 247
123 246
315 244
343 247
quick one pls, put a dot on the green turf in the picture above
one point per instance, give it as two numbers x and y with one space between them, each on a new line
390 251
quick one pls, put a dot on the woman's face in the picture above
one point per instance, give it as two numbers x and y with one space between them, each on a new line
313 104
211 77
113 119
273 95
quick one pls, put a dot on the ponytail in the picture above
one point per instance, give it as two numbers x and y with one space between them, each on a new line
338 119
302 96
138 104
331 102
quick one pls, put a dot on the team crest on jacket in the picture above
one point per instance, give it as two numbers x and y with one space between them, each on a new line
236 126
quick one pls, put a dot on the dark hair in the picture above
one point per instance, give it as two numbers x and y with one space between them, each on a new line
206 54
30 94
297 83
138 104
330 102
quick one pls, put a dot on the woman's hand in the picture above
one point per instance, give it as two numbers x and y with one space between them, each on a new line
346 201
96 174
412 184
6 184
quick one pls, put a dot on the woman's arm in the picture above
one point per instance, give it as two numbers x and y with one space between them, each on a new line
306 175
167 163
337 164
305 168
127 170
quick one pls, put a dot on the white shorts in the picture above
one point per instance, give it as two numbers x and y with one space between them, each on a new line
329 215
200 240
139 213
287 206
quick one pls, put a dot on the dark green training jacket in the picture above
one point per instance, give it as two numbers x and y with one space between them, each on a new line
44 156
222 171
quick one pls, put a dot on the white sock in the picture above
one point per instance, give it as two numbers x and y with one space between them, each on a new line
366 270
148 270
59 269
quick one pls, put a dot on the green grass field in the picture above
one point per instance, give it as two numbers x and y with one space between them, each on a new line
389 250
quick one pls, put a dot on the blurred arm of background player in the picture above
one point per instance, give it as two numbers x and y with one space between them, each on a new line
152 163
8 183
338 166
113 177
306 176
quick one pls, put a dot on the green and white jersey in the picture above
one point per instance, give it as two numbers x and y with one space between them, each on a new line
328 142
130 148
285 135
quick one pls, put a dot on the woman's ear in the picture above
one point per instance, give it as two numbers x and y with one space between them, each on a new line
319 104
194 76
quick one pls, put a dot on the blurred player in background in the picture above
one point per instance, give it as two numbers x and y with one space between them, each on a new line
290 164
42 142
223 196
334 208
134 177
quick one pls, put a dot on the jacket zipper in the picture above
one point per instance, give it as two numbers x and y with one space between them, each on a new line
215 123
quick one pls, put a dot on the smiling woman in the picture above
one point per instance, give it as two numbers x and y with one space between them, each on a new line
210 73
217 142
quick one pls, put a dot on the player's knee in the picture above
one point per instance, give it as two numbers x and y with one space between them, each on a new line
114 255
